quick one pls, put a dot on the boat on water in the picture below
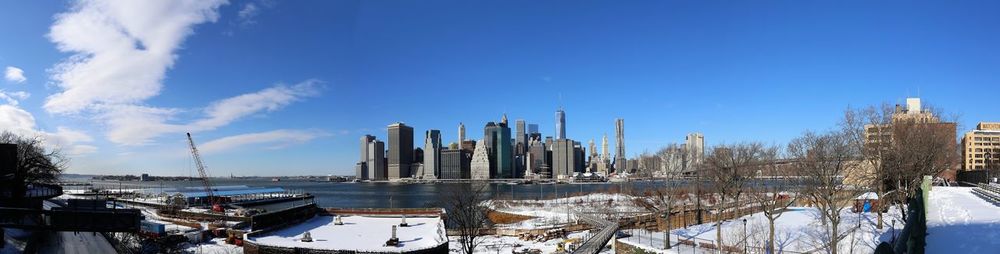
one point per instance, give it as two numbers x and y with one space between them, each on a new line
276 179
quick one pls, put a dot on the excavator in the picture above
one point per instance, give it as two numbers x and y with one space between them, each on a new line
209 194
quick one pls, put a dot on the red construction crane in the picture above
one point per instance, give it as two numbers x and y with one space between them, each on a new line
204 176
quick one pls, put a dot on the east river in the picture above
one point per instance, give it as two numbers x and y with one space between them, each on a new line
383 195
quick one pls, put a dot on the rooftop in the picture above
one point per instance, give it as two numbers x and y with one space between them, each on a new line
359 233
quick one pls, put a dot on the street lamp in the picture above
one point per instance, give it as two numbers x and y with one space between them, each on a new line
746 249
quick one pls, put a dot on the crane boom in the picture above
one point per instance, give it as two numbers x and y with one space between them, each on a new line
201 169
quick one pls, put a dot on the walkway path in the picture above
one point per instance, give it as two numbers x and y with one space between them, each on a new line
958 221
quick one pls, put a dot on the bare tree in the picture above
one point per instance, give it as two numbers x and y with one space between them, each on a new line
869 130
771 195
920 149
674 161
728 168
467 212
823 160
35 163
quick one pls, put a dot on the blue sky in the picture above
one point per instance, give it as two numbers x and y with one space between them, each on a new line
287 87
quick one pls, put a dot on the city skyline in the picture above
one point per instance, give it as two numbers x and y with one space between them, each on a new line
261 98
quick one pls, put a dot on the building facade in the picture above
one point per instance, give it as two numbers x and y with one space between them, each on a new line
981 147
377 168
620 161
480 164
560 124
563 158
695 144
361 168
455 164
432 154
400 151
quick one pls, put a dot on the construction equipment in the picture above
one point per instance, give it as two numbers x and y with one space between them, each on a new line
209 195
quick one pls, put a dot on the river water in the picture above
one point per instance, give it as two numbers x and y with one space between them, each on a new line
385 195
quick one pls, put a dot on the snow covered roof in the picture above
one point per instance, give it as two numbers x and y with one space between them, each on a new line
359 233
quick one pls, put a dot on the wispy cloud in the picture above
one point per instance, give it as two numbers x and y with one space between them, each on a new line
275 139
121 49
121 53
14 75
19 121
13 98
137 125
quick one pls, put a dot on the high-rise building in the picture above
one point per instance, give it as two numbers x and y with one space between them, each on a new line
560 124
400 151
620 161
695 145
520 139
604 163
361 168
461 133
432 154
592 159
533 129
537 159
498 143
376 161
455 164
579 158
909 116
520 148
480 164
981 147
563 158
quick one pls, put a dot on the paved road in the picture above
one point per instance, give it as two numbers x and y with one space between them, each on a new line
74 242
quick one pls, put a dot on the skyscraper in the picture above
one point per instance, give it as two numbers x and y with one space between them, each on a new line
461 133
377 169
520 137
480 163
620 161
400 150
533 129
520 148
560 124
563 158
498 144
432 154
362 165
592 159
695 144
455 164
537 159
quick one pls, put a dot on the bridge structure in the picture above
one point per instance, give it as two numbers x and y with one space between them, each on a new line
596 242
21 205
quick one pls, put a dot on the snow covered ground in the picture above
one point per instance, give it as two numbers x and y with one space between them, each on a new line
360 233
507 244
958 221
799 229
213 246
558 212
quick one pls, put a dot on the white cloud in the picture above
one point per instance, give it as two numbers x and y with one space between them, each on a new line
21 122
122 49
14 74
249 11
275 139
13 98
137 125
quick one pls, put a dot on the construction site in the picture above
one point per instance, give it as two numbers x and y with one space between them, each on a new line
33 216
